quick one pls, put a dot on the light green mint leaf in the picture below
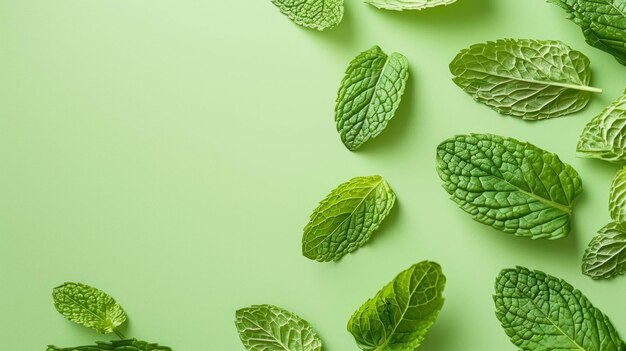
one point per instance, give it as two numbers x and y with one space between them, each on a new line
605 136
617 197
540 313
400 5
270 328
399 316
530 79
316 14
116 345
510 185
369 95
88 306
346 218
605 256
603 23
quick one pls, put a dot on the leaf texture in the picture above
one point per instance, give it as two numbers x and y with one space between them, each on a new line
369 95
399 316
603 23
88 306
346 218
530 79
541 312
316 14
617 197
605 136
605 256
400 5
510 185
116 345
270 328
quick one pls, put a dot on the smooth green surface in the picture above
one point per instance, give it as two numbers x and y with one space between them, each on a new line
170 152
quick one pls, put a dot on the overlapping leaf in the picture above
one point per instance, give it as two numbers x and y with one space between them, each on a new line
316 14
400 5
605 256
605 136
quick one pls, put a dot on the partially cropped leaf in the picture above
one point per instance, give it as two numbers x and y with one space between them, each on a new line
605 136
603 23
399 316
530 79
369 95
88 306
346 218
606 255
316 14
116 345
510 185
617 197
270 328
400 5
540 313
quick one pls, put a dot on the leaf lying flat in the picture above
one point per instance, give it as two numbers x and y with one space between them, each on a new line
88 306
606 255
369 95
510 185
316 14
399 316
116 345
400 5
540 312
603 23
346 218
617 197
531 79
270 328
605 136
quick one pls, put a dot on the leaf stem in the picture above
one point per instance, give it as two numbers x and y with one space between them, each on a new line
119 333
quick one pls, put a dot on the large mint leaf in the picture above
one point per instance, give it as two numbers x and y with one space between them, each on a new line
603 23
605 256
316 14
540 313
399 316
510 185
369 95
617 197
530 79
605 136
88 306
116 345
400 5
346 218
270 328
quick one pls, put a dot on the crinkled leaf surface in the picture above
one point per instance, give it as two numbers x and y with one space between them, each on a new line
541 312
115 345
617 197
510 185
346 218
605 136
270 328
316 14
369 95
399 316
88 306
530 79
605 256
400 5
603 23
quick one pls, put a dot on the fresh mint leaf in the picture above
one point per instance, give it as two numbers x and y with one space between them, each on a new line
603 23
530 79
617 197
399 316
88 306
116 345
400 5
271 328
316 14
369 95
540 312
346 218
510 185
605 136
605 256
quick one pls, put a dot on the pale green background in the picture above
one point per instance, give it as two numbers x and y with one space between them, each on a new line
170 152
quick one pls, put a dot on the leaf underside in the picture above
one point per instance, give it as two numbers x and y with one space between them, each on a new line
316 14
510 185
116 345
605 256
604 137
400 5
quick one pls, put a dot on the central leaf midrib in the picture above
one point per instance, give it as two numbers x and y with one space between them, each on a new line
536 81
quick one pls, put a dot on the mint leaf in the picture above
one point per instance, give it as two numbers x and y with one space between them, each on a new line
88 306
400 5
271 328
316 14
116 345
605 136
603 23
530 79
541 312
369 95
399 316
346 218
510 185
605 256
617 197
